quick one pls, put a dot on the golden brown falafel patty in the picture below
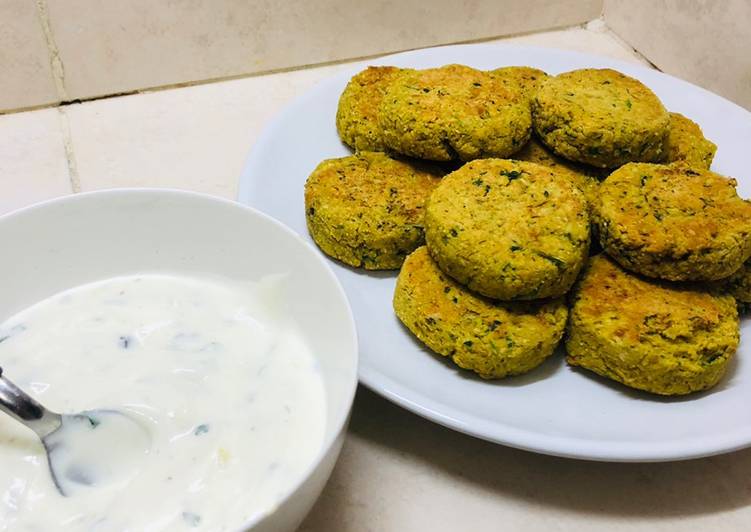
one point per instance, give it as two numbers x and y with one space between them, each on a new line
494 339
587 178
737 285
600 117
508 229
686 142
523 78
453 112
674 222
664 338
367 209
357 113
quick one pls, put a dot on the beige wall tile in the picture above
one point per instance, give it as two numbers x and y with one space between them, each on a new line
24 61
595 38
33 165
706 42
109 47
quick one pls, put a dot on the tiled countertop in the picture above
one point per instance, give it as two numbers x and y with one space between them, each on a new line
397 472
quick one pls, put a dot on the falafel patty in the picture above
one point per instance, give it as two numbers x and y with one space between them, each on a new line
367 209
586 178
357 113
674 222
494 339
600 117
738 285
650 335
523 78
508 229
453 112
686 142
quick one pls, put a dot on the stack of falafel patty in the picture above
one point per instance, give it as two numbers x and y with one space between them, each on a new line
487 188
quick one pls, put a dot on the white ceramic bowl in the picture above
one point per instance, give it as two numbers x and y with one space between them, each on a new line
78 239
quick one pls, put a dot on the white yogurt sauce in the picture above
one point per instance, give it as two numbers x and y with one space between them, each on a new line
224 384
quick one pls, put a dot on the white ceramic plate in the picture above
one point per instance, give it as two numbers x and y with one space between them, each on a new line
554 409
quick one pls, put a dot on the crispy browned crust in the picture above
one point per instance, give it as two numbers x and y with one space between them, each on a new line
663 338
674 222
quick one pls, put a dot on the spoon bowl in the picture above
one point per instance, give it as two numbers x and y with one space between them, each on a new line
95 449
91 449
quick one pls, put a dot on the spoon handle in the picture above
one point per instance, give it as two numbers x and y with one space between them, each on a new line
20 406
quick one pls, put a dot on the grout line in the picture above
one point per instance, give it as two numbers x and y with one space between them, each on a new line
58 75
26 109
64 101
70 156
58 70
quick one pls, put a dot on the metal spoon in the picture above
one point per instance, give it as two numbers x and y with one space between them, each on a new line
83 450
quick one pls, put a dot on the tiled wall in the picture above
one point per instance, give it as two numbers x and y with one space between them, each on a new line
25 69
707 42
53 50
61 50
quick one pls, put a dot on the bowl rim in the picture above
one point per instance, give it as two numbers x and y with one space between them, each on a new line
339 424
